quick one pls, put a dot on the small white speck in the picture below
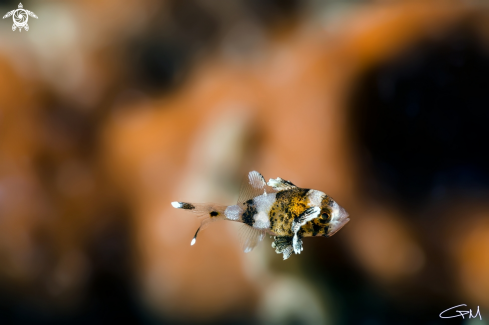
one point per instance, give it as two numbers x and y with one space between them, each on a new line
176 205
192 242
247 250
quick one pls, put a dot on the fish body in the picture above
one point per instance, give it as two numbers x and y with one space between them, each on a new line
278 208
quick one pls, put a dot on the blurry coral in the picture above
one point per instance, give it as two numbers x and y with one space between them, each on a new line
109 112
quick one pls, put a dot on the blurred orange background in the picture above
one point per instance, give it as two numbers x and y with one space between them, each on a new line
109 111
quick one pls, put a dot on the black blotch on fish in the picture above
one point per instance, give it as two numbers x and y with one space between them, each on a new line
187 206
316 229
300 233
288 182
249 213
324 218
214 213
272 222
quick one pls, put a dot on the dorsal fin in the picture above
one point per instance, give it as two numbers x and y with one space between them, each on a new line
279 184
253 186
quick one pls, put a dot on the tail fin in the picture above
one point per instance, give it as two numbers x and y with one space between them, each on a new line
208 212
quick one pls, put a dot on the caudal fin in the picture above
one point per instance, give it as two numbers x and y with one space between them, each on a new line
208 212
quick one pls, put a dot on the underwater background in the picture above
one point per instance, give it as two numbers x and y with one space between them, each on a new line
111 110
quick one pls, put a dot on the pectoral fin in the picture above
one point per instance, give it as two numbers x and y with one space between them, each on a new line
306 216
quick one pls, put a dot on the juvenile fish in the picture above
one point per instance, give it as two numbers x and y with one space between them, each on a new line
278 208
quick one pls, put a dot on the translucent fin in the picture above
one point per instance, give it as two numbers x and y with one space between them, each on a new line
204 224
208 212
279 184
253 186
250 237
306 216
200 208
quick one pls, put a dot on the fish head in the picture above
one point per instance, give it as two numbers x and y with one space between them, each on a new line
338 217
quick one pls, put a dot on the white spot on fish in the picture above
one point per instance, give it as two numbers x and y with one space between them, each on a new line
263 205
315 197
177 205
233 212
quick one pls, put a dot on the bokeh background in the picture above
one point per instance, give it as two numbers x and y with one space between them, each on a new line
110 110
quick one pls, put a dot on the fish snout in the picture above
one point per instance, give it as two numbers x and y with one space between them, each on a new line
339 218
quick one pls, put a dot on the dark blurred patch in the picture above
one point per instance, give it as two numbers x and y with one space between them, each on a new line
271 12
161 60
67 127
422 118
193 23
9 3
158 65
109 296
188 30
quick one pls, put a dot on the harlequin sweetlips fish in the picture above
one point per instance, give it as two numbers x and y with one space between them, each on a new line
278 208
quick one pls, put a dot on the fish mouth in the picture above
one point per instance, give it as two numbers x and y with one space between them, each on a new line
339 219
